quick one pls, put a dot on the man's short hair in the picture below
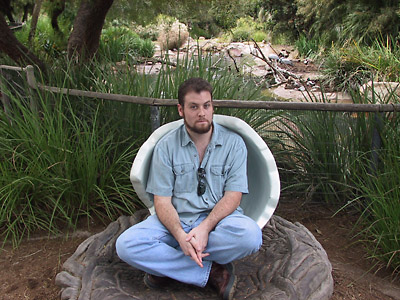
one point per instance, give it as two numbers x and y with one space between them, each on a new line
194 84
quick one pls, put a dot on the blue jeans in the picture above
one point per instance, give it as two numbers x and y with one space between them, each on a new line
150 247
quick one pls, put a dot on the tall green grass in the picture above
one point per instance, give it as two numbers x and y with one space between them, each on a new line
57 165
377 194
377 198
317 152
349 160
307 47
121 44
351 65
70 157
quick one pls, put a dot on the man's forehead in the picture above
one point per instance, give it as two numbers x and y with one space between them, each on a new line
202 97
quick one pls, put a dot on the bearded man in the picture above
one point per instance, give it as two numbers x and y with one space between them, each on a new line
197 177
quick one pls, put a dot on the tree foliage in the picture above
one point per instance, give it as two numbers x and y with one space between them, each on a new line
334 20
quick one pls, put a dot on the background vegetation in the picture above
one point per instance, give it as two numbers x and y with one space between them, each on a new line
64 159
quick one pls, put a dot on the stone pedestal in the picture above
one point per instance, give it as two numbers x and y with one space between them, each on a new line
291 264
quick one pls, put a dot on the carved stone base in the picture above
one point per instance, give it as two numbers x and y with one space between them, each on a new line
291 264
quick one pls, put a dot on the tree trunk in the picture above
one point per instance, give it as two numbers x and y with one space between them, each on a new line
5 8
35 17
85 37
28 9
14 49
56 11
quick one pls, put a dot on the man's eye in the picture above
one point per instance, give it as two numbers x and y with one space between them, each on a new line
207 105
193 107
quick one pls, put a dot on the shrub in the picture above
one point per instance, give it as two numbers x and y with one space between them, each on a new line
240 35
172 35
307 47
46 44
351 65
259 36
197 32
245 28
146 32
121 43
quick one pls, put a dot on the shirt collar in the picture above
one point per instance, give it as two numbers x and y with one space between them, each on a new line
216 138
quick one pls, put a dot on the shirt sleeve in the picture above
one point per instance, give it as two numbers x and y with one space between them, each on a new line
161 178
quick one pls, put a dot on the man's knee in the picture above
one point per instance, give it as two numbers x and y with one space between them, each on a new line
251 237
121 246
127 244
247 234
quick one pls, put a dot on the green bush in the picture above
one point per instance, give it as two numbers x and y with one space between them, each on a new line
352 65
307 47
46 44
327 156
240 35
149 32
197 32
342 71
259 36
245 28
121 43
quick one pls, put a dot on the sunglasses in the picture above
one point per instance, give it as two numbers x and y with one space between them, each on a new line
201 176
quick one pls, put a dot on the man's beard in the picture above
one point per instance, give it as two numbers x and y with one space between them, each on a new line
199 130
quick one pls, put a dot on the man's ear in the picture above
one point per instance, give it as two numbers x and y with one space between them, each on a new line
180 110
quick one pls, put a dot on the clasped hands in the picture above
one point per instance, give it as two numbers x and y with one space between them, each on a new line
195 244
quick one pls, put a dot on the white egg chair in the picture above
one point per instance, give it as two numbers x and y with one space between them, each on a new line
263 177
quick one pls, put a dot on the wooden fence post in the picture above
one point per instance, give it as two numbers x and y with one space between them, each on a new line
376 143
4 97
154 117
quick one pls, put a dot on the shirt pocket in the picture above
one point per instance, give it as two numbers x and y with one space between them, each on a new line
218 178
184 178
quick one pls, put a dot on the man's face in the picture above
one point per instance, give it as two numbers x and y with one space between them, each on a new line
197 111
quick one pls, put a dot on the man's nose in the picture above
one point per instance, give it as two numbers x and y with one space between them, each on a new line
201 111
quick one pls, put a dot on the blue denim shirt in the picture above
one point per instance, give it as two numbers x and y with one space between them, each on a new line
173 170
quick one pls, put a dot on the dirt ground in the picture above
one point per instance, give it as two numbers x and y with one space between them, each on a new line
28 272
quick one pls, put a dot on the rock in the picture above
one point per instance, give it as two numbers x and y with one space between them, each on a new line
286 61
273 57
235 52
291 264
383 91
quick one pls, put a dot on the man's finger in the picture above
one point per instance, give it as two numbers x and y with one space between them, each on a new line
195 244
195 257
189 236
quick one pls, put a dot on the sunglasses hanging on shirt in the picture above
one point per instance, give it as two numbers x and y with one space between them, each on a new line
201 177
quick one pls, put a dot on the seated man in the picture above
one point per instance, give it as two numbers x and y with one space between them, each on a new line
197 177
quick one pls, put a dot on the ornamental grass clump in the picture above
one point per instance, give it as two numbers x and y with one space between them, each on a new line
122 44
58 165
377 194
172 35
